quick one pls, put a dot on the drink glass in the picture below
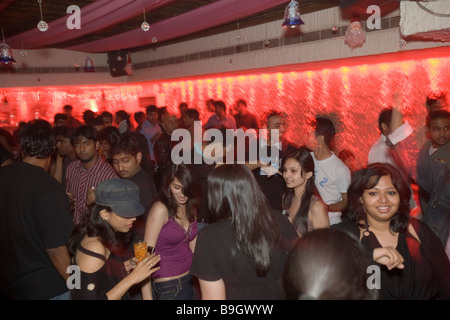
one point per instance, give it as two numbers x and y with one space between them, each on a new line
140 250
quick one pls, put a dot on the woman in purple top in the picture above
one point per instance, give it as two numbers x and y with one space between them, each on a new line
171 229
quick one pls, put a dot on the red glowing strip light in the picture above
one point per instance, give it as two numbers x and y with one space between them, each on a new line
350 91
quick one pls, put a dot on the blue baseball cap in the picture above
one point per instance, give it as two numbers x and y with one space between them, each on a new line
121 195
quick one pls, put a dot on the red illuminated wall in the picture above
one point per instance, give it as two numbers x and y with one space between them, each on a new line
351 91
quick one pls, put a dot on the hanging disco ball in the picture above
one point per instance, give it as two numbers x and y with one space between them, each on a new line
42 26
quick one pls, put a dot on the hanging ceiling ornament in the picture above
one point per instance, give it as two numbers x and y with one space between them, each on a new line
145 26
42 25
355 36
5 53
89 65
292 16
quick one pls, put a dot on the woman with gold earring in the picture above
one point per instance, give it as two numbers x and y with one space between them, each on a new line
97 243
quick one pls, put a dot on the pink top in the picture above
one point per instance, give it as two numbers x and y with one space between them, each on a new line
173 247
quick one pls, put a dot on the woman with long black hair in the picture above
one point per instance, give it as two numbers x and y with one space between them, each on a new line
171 229
301 202
242 253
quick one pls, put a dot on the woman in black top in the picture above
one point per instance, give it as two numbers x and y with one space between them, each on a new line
98 243
242 253
414 265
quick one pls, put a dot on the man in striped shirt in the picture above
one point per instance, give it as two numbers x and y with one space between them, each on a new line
83 175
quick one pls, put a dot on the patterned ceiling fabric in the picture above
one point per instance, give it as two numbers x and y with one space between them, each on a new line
205 17
94 17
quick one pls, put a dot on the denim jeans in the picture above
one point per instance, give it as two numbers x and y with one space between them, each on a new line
65 296
177 289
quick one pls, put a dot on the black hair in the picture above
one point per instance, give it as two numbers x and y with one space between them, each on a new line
151 108
193 113
220 104
88 132
109 134
367 178
88 117
5 155
327 264
59 116
441 114
139 115
94 225
385 117
300 221
234 193
242 101
190 188
66 132
126 143
37 139
324 127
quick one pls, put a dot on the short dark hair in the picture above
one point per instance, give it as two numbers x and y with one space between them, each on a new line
193 113
88 132
126 143
106 114
37 139
385 117
123 114
98 121
442 114
151 108
66 132
274 113
242 101
324 127
220 104
109 134
60 116
139 115
67 107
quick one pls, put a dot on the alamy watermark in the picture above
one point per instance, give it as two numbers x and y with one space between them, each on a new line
74 20
225 146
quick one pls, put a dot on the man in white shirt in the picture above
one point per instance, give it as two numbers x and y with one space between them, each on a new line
379 150
332 176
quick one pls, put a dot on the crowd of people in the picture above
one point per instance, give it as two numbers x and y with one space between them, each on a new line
296 222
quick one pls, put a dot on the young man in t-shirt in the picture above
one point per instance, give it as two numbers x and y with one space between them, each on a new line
332 176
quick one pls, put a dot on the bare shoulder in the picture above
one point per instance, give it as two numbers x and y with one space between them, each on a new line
158 211
317 205
89 263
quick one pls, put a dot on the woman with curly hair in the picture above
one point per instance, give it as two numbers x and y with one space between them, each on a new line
411 257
